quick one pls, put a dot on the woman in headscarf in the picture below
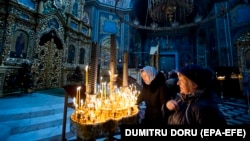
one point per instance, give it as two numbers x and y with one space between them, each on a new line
154 94
196 103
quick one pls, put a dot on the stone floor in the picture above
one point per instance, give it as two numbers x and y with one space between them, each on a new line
237 110
38 116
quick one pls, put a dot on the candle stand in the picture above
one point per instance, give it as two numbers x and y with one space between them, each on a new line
90 129
221 79
102 113
71 91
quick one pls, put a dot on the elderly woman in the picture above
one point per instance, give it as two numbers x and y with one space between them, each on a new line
154 94
196 103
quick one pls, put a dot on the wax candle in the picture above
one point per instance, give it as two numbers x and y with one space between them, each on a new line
81 103
100 80
101 90
104 90
74 101
87 77
78 95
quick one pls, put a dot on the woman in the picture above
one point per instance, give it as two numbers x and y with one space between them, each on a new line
196 103
153 93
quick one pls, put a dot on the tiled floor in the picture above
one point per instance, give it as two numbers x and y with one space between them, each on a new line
237 110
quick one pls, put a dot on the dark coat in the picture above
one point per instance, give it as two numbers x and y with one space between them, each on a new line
154 96
199 108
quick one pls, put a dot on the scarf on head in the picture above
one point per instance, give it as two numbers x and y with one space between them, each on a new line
151 73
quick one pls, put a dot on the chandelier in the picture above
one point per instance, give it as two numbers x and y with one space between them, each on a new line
170 11
168 15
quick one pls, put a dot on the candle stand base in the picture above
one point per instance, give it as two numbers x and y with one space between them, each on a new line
107 128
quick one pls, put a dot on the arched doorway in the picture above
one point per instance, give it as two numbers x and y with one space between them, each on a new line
243 47
49 54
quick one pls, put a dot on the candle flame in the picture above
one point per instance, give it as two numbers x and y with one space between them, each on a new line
86 68
78 88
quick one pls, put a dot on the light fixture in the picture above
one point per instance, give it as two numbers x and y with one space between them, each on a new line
169 15
244 40
168 11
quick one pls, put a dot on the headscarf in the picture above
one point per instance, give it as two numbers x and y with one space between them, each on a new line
203 77
151 72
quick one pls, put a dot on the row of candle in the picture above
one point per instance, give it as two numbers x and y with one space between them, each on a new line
130 93
104 104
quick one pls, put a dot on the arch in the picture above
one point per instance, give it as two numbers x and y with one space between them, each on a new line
243 49
48 36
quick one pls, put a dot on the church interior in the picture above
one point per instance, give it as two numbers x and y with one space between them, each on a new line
47 45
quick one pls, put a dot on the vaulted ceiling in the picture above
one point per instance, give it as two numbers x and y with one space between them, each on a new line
201 7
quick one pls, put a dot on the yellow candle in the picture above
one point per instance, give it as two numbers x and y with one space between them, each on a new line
105 90
78 95
110 75
100 80
87 77
74 101
81 103
101 90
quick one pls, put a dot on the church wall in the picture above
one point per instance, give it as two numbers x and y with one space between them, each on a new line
73 25
105 22
209 44
48 29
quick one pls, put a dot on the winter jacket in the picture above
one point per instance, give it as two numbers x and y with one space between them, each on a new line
199 108
154 96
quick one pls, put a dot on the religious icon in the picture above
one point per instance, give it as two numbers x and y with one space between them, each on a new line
85 18
20 43
19 46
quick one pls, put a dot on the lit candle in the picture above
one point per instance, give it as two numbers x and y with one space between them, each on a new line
74 101
104 90
100 80
101 86
87 77
81 103
101 90
78 95
110 74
